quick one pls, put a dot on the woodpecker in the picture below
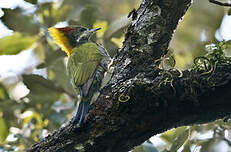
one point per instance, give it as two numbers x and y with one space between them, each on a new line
86 66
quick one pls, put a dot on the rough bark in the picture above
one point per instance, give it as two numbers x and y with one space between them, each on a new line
141 100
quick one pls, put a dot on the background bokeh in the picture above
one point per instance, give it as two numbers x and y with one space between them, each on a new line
35 93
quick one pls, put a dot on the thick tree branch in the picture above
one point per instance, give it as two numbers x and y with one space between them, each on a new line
142 100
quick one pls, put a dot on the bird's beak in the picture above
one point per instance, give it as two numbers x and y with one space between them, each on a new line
94 30
90 32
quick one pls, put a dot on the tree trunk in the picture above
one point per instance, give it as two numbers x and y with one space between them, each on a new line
142 100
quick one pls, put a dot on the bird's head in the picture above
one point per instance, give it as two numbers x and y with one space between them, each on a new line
69 37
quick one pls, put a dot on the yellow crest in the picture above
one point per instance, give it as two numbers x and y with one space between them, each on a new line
61 40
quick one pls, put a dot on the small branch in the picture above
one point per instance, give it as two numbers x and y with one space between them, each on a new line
220 3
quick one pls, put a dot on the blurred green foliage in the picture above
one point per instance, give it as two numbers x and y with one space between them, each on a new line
15 43
41 90
18 21
50 98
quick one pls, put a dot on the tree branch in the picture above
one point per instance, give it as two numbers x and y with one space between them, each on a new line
142 100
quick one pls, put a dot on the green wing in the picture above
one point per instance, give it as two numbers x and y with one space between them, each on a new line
83 62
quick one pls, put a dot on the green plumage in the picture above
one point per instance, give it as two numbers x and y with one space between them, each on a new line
86 67
83 62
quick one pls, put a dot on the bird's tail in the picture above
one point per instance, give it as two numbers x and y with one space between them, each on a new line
81 111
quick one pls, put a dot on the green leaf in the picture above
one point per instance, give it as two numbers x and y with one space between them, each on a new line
15 43
41 89
180 140
3 129
17 21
